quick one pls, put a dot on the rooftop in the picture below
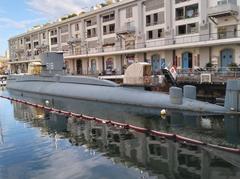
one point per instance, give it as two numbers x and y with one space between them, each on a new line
83 15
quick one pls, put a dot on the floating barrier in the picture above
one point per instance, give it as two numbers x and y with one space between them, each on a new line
174 137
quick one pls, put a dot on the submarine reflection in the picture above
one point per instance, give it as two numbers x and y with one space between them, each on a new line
215 129
159 157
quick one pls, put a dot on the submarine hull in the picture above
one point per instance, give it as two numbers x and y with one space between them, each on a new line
86 88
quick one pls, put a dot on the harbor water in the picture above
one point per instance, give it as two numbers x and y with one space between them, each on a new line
35 143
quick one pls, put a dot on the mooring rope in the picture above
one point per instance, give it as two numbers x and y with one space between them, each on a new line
170 136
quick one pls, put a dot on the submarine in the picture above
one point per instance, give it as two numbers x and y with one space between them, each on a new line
52 81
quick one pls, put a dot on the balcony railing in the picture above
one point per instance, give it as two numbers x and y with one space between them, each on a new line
88 24
126 29
223 10
158 43
111 18
195 14
226 35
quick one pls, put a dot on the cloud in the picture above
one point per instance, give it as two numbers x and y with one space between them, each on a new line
10 23
53 9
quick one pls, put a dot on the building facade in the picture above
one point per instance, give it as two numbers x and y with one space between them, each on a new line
180 33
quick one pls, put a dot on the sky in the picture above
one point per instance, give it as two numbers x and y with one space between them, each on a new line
17 16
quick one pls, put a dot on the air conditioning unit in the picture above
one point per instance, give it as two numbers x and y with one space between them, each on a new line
206 78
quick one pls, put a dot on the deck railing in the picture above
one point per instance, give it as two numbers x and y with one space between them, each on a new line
216 75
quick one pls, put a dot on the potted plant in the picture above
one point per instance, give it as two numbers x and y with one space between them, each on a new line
233 66
209 66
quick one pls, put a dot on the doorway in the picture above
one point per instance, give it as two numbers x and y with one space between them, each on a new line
79 67
187 60
226 58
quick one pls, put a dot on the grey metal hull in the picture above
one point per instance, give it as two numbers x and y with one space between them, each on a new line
72 87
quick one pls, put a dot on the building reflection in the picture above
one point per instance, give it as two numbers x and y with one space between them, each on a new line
157 156
37 117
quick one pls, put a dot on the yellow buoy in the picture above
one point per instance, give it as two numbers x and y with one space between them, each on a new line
163 112
47 102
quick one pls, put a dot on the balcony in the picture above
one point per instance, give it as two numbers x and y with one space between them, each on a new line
111 18
227 36
126 29
91 23
222 10
74 40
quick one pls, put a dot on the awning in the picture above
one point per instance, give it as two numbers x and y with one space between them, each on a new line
35 64
24 61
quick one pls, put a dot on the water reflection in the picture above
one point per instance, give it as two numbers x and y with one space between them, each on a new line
222 130
159 157
1 134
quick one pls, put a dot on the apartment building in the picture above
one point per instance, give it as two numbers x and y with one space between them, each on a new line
180 33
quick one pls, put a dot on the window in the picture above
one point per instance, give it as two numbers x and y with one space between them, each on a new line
108 17
187 12
54 41
179 13
29 46
150 35
160 33
89 23
181 30
76 27
191 11
112 16
43 35
21 41
27 39
35 44
53 32
155 18
129 12
94 33
112 28
192 28
148 20
104 30
89 33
